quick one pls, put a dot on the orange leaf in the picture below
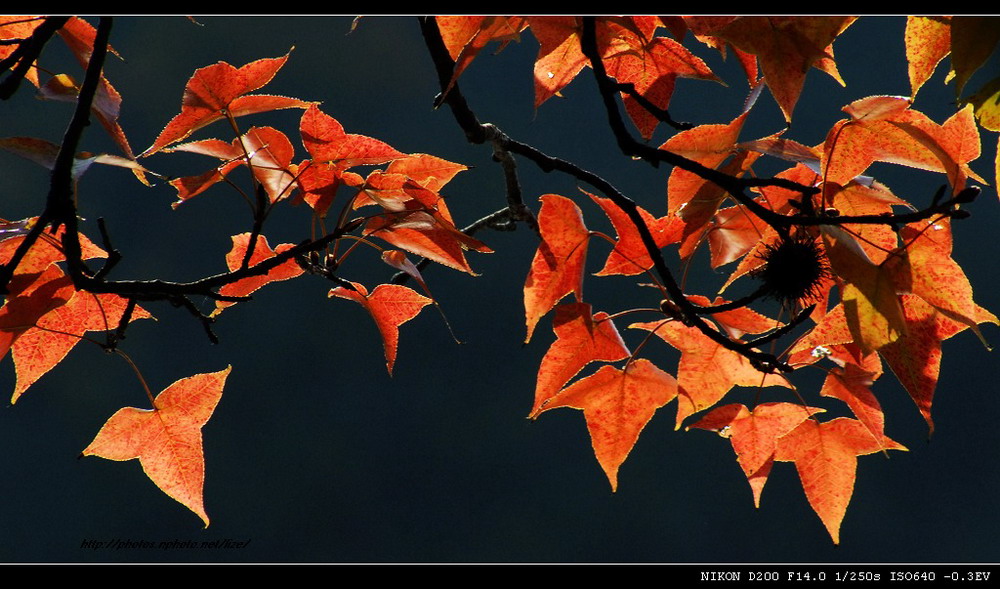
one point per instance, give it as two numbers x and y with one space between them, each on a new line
633 55
786 48
630 256
390 305
617 405
581 338
884 128
557 268
869 298
262 251
709 145
825 456
418 221
707 371
560 57
22 311
754 435
326 141
216 89
915 358
928 41
57 332
167 439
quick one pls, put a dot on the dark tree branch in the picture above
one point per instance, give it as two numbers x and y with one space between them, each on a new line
27 52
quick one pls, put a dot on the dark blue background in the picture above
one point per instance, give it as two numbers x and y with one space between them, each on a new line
315 454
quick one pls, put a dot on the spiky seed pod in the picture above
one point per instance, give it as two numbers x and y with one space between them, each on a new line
793 270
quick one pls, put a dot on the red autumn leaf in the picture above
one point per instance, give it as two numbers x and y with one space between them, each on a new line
390 305
557 267
167 439
755 434
633 55
106 105
630 256
23 309
709 145
915 358
560 57
218 89
429 171
825 456
57 332
786 47
326 141
884 128
698 214
270 154
924 266
261 252
617 405
707 370
319 183
851 384
581 338
734 232
418 220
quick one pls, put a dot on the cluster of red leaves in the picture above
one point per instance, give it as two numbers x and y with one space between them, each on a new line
44 315
891 295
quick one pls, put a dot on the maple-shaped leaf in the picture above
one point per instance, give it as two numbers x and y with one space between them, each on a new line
39 349
915 358
617 405
560 57
886 129
581 338
923 266
326 141
852 385
786 47
261 251
218 90
709 145
755 434
633 55
49 290
44 252
707 370
557 267
825 456
167 440
630 256
390 305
